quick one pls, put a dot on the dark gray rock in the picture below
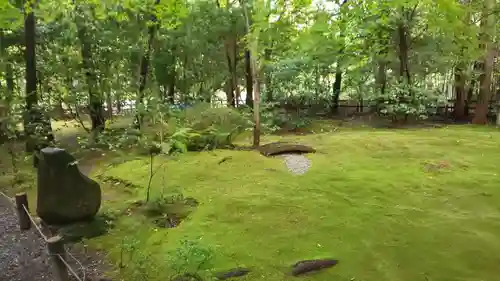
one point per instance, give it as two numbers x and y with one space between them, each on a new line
306 266
276 148
235 272
65 195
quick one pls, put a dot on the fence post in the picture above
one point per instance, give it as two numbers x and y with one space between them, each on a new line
21 203
56 250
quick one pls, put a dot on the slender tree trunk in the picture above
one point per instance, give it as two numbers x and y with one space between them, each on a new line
232 81
497 102
9 80
144 68
268 76
185 90
249 80
460 109
34 117
171 89
256 78
106 89
460 94
470 91
96 111
171 79
30 57
337 85
404 70
248 70
486 66
317 81
231 89
118 103
6 100
381 76
236 86
256 105
109 104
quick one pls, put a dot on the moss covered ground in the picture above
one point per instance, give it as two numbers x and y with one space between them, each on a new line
390 205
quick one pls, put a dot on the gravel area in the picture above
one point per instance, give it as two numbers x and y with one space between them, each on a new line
296 163
23 254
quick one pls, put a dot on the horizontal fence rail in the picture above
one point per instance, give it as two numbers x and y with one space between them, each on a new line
55 244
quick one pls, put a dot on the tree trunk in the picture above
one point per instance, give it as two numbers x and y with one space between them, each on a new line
171 89
118 103
486 66
256 107
460 94
460 109
337 85
317 80
336 89
470 94
381 76
9 80
109 104
249 80
34 117
106 89
248 69
237 92
404 70
231 89
144 68
172 79
268 76
255 73
6 100
96 111
470 91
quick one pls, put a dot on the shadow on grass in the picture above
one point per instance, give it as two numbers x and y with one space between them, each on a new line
98 226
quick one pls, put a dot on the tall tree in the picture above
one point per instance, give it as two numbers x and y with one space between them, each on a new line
249 78
460 107
253 47
36 125
144 68
337 85
96 111
486 65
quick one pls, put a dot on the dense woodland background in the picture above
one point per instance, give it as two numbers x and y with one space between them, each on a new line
399 59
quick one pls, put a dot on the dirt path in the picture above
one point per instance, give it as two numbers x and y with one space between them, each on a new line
23 254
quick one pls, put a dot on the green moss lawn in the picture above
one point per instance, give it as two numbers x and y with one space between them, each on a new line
397 205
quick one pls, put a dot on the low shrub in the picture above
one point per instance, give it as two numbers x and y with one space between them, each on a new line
203 127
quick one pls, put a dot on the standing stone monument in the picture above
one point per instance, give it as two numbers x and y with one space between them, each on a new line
65 195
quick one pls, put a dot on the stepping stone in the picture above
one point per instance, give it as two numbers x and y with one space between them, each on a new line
276 148
235 272
296 164
306 266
